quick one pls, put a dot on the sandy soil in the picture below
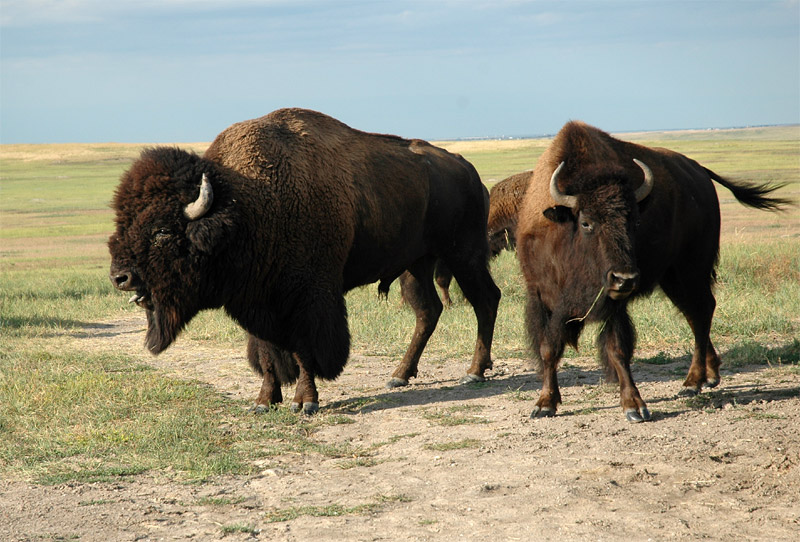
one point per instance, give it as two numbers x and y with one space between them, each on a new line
726 470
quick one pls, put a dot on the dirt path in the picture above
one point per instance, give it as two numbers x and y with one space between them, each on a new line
727 471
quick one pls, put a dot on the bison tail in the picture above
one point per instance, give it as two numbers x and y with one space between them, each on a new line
383 289
754 195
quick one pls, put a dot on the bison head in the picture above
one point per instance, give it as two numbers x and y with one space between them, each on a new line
171 223
600 218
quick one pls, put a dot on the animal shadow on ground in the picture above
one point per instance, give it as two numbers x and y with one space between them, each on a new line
101 330
445 391
746 358
57 324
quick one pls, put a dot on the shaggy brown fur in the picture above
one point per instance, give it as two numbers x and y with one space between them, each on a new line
304 209
587 262
505 199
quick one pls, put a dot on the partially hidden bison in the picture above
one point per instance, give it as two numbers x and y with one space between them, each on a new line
606 221
505 200
278 219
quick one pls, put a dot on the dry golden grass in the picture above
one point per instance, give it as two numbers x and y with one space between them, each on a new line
494 145
82 152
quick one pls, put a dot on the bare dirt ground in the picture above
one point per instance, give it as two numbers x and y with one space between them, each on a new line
722 468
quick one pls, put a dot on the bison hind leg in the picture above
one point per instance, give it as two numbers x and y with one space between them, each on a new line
694 297
483 294
420 294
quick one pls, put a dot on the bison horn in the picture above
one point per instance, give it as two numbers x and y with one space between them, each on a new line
202 204
558 196
644 190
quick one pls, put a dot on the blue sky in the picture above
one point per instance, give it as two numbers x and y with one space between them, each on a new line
159 71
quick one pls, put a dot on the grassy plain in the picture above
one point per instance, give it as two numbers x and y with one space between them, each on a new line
68 414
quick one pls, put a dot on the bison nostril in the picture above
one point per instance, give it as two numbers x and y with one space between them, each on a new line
121 280
623 281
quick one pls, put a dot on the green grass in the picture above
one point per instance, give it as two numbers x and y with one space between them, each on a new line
68 414
464 444
456 415
332 510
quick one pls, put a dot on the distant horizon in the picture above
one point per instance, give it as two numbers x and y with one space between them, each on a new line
445 139
657 130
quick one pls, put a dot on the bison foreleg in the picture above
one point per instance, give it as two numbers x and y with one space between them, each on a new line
547 346
275 365
550 396
615 344
259 354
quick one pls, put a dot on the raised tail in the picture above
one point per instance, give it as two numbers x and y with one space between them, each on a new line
754 195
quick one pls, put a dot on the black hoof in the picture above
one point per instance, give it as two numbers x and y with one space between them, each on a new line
259 409
471 379
396 383
309 409
543 412
713 383
295 407
638 416
688 392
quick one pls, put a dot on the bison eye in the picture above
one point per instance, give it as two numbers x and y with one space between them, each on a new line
161 235
587 226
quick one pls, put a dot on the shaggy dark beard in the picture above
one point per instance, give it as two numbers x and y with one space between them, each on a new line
163 327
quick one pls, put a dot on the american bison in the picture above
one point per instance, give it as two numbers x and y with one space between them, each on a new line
605 221
505 199
278 219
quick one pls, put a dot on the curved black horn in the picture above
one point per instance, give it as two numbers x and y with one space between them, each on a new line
202 204
558 196
644 190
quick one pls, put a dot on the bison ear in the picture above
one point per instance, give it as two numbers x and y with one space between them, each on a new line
558 214
209 234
